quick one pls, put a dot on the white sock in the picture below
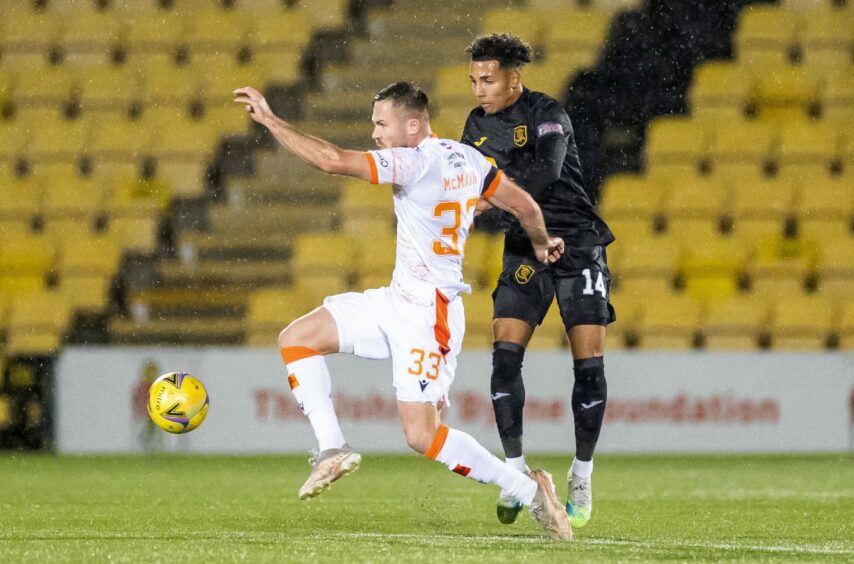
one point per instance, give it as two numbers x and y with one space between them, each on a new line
518 463
462 454
311 384
581 468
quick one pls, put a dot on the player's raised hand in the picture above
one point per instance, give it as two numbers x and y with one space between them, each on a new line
255 103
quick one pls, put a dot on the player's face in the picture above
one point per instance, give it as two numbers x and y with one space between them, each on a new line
495 88
391 127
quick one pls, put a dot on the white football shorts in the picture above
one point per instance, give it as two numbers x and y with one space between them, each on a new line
422 340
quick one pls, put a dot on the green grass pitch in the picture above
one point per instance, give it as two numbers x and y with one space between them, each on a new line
404 508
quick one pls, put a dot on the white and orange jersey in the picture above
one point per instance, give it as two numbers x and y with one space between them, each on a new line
436 187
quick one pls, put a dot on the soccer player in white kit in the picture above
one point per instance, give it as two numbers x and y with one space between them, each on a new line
418 320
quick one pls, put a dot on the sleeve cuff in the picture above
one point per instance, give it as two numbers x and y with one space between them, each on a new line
493 185
375 177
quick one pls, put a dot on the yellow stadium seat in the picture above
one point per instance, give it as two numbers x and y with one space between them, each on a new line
826 37
824 230
632 196
759 208
546 78
697 198
735 324
846 326
166 84
284 30
836 268
576 31
785 92
481 248
519 21
325 253
281 68
478 308
120 141
37 324
765 33
135 233
20 200
838 97
762 198
782 265
360 200
24 29
711 271
58 140
154 32
671 322
742 148
550 334
93 34
42 86
453 86
825 198
720 89
31 255
221 73
73 200
650 265
272 309
376 255
808 149
802 323
107 87
13 138
676 141
216 30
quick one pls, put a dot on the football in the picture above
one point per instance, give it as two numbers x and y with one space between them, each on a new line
177 402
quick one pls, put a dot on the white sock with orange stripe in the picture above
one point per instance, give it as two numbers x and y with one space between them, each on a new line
311 384
462 454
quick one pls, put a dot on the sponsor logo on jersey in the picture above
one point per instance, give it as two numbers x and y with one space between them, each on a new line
523 274
520 135
549 127
480 142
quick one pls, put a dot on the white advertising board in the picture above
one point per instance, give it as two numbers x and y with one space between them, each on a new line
657 402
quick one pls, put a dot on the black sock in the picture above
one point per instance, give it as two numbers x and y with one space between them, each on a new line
589 396
508 395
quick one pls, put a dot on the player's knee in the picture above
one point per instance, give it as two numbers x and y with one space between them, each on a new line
590 373
419 438
507 361
290 336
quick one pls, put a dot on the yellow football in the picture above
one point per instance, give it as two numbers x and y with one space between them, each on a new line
177 402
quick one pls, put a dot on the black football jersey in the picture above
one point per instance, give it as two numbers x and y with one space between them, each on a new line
533 143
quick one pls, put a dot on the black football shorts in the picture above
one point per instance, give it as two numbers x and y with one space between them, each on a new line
580 279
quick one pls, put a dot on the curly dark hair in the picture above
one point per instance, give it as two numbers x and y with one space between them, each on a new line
404 94
510 51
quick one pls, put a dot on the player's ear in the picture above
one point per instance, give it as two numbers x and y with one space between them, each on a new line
515 78
413 126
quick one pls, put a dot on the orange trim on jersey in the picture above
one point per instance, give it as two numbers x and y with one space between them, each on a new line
441 329
292 381
293 354
433 136
438 442
493 186
375 175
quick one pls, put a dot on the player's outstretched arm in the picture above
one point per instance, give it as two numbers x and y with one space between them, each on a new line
313 150
509 197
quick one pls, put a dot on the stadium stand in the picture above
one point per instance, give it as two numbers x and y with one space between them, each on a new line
134 191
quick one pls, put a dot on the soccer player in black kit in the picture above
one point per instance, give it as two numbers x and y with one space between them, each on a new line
529 136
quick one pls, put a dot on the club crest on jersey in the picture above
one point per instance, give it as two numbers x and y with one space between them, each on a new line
523 274
520 135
